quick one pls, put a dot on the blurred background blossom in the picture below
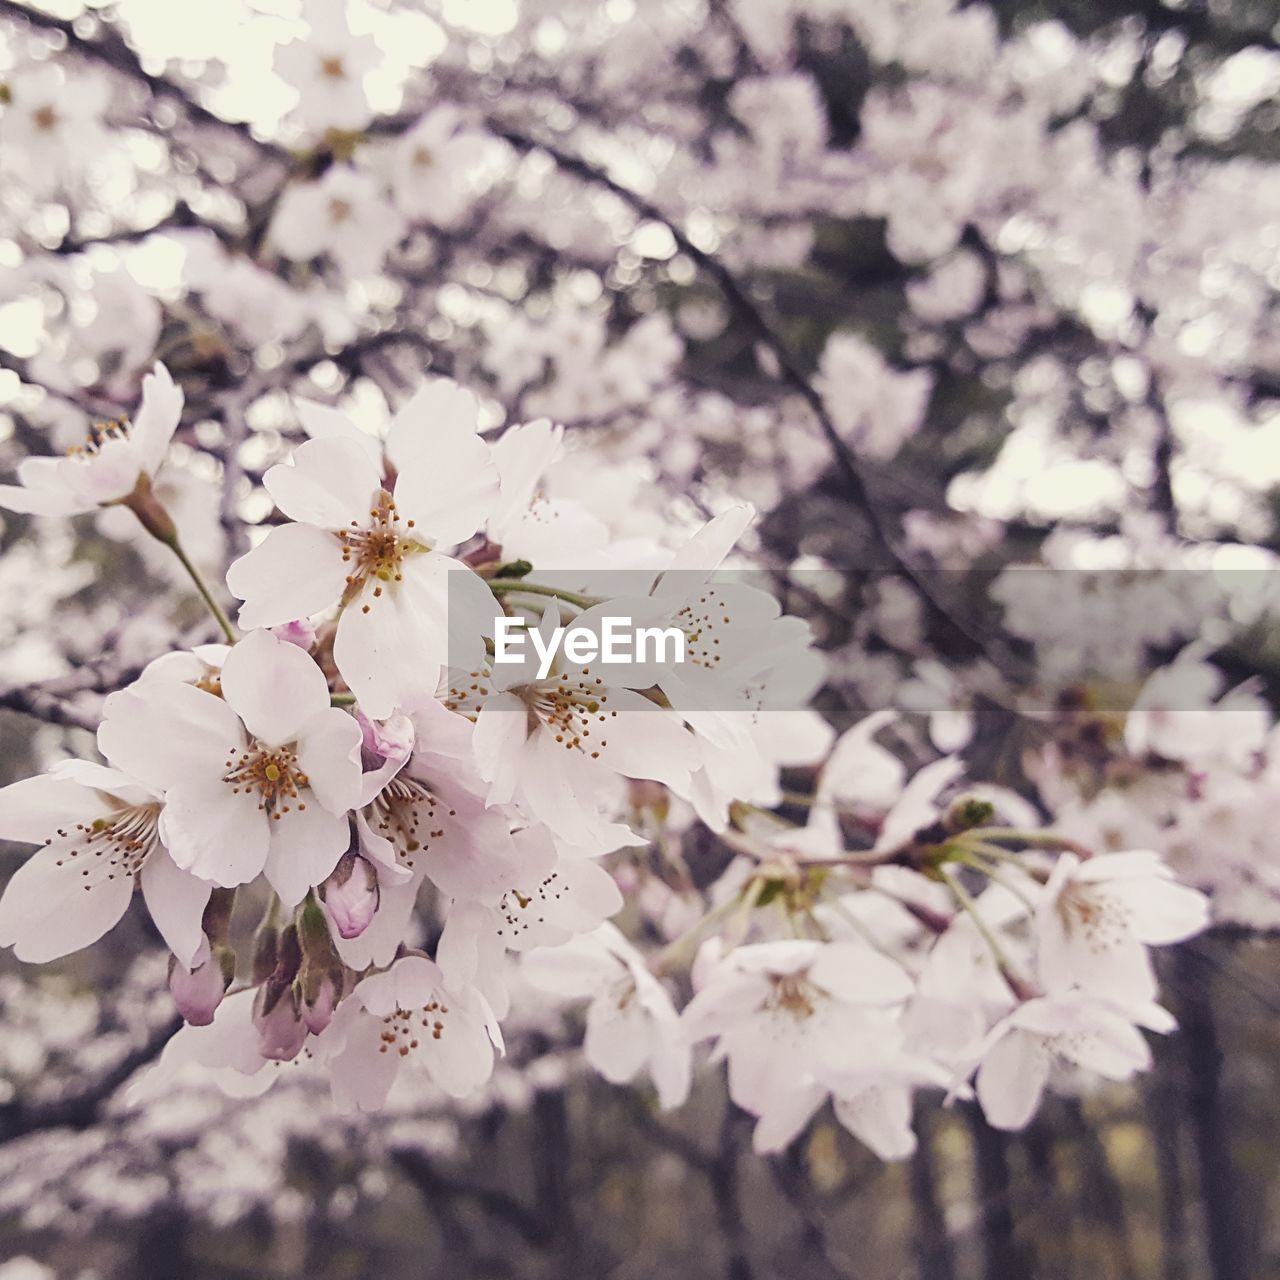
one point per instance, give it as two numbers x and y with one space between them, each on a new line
977 304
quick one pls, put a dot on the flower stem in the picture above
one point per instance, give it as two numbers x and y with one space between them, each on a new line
501 586
194 574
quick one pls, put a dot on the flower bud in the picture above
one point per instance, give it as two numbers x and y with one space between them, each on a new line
968 812
281 1031
317 1008
351 895
198 991
301 631
384 751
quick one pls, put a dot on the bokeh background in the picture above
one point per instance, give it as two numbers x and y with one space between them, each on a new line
1017 261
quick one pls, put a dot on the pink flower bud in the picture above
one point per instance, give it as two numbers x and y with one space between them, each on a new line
281 1032
350 895
386 748
197 991
301 631
318 1012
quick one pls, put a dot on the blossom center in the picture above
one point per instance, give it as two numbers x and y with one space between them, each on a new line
404 1027
406 814
792 993
100 434
568 708
332 68
270 773
46 118
114 844
376 552
1097 919
700 620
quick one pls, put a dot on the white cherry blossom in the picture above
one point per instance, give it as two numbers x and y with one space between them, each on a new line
327 68
632 1026
114 459
100 835
1097 918
259 779
1053 1033
379 553
342 216
407 1017
786 1016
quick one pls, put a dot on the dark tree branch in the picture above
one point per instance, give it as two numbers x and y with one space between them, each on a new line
81 1110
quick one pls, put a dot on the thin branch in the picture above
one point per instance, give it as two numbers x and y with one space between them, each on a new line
81 1110
855 483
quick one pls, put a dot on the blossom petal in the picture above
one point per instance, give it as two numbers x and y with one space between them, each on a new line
157 418
273 686
447 482
1012 1078
176 900
51 907
295 571
305 847
329 754
214 833
164 733
332 483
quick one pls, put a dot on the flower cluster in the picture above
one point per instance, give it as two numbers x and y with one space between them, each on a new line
358 762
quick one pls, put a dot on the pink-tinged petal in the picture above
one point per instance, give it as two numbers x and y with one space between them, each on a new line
226 1049
329 754
274 687
157 418
1011 1079
305 847
409 982
499 742
214 833
521 456
33 809
360 1077
389 656
111 474
618 1038
449 486
647 741
332 483
786 1116
51 907
165 733
704 551
378 944
1111 1046
574 970
1161 911
295 571
42 502
462 1059
98 777
880 1118
473 856
176 900
438 411
324 422
386 748
860 974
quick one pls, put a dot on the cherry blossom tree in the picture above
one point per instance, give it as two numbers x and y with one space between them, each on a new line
910 366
